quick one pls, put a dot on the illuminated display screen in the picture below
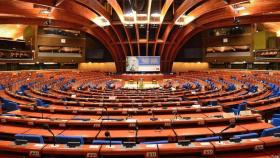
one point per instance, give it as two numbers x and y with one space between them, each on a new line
142 63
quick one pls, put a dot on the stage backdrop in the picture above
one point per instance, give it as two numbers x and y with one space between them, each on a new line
143 63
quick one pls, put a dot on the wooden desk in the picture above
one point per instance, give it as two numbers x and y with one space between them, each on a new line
118 134
85 133
259 126
30 114
236 129
6 129
271 146
173 149
29 150
43 132
153 134
88 151
193 132
244 154
62 116
148 151
245 144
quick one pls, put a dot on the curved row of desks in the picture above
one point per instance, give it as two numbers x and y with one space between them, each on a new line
266 147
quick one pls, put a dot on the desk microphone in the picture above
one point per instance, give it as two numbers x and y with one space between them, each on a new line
106 109
47 127
136 131
231 125
176 114
153 115
108 135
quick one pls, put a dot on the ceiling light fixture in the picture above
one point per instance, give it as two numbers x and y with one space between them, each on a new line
101 21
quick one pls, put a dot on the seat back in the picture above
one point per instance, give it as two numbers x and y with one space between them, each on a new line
276 116
246 136
208 139
275 122
106 142
10 106
156 142
30 138
61 139
270 131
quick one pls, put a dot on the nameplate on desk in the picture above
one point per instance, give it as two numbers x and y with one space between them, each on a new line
245 113
96 125
258 147
51 110
3 120
30 123
62 125
151 154
201 122
75 111
196 106
208 152
91 155
34 154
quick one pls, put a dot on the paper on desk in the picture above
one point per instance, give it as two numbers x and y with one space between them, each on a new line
94 146
39 145
151 145
254 140
204 143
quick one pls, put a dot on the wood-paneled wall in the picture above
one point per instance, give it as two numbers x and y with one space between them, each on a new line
189 66
102 67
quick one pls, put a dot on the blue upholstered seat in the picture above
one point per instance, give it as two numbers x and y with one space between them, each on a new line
208 139
270 131
156 142
275 122
30 138
246 136
61 139
106 142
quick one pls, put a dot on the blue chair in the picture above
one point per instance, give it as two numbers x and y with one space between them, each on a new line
240 107
30 138
106 142
61 139
208 139
270 131
275 122
39 102
213 103
276 116
10 106
156 142
8 114
246 136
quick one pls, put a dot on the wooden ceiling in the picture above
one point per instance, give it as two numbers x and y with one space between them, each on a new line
160 27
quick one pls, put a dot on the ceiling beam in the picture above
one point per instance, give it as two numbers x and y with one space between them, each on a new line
120 14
